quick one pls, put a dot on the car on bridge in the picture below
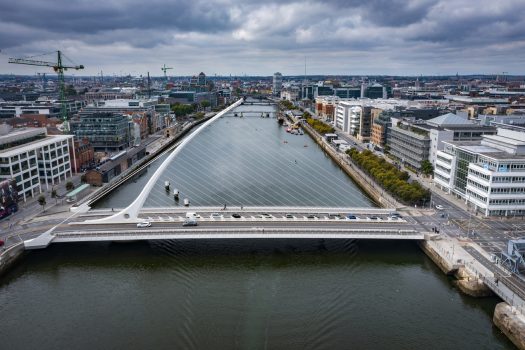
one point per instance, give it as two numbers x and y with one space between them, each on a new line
216 216
144 224
289 216
236 215
190 222
351 217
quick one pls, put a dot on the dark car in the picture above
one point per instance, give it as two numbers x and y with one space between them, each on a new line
312 216
236 215
289 216
1 243
190 222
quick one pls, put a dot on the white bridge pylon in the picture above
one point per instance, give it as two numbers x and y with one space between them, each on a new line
131 212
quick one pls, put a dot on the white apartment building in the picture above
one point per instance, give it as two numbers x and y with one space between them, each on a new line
489 174
353 116
32 157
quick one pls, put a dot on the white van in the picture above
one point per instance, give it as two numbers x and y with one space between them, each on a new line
192 215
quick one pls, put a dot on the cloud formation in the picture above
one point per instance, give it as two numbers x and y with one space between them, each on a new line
249 37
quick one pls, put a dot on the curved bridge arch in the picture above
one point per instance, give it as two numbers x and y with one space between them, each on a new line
130 213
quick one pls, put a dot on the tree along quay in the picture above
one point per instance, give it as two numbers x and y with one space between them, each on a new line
390 178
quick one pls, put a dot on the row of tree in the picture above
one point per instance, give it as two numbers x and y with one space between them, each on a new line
319 126
393 180
285 104
182 110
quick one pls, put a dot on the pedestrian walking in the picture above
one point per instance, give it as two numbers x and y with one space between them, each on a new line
241 206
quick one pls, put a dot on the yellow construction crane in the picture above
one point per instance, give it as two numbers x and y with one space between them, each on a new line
59 68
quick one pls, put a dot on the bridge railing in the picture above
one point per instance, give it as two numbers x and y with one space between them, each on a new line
383 232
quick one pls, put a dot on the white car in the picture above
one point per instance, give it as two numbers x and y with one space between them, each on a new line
215 216
144 224
440 207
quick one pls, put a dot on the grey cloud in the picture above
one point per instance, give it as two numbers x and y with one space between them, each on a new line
342 32
78 16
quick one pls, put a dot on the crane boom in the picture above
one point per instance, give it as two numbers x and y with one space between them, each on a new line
42 63
59 68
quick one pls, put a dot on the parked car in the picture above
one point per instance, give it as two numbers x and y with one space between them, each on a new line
440 207
351 217
144 224
215 216
289 216
236 215
374 218
1 243
311 216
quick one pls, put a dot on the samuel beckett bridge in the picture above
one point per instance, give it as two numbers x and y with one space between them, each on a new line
136 222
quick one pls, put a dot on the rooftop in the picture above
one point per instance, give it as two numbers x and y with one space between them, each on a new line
450 119
34 145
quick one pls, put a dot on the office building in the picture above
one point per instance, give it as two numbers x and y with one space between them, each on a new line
277 84
32 157
106 132
488 174
413 141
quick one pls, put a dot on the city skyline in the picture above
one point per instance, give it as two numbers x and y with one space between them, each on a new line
223 37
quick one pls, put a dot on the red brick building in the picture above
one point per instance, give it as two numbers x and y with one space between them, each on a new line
83 157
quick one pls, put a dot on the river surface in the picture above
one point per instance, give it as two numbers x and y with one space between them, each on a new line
248 161
242 294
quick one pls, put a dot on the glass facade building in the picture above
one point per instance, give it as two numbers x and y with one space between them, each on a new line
107 132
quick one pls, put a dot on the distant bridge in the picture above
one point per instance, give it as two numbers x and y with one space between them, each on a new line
259 103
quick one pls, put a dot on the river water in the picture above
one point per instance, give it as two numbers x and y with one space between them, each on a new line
241 294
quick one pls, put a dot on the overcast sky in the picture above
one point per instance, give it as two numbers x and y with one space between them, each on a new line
393 37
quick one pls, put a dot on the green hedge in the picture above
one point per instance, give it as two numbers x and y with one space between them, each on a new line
390 178
319 126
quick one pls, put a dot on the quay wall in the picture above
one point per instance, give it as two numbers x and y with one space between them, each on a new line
10 256
511 323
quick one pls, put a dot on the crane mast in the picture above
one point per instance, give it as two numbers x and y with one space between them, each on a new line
164 69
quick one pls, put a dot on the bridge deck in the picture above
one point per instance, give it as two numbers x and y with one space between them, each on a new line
238 233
